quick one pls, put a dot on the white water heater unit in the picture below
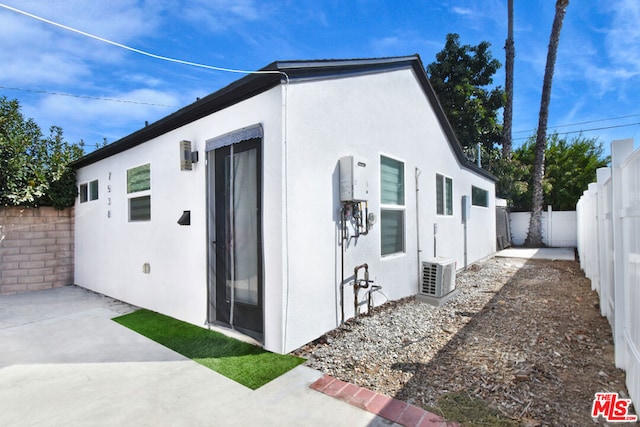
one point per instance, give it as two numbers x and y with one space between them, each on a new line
354 182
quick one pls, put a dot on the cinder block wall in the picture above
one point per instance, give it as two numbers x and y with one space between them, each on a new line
36 248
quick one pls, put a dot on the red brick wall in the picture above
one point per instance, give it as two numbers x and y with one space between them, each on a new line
36 248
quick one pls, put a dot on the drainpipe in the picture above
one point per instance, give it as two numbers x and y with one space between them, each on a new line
418 250
342 241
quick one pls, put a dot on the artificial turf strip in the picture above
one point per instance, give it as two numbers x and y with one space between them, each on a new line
242 362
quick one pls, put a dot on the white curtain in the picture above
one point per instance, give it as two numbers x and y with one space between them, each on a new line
242 226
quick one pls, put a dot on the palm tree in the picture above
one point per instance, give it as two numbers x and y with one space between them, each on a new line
509 65
534 236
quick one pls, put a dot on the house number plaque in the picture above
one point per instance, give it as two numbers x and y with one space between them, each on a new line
109 196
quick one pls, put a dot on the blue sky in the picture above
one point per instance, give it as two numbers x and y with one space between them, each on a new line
596 85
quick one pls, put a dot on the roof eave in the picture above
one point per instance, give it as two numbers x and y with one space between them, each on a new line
254 84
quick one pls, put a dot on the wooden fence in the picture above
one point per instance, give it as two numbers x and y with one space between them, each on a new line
609 247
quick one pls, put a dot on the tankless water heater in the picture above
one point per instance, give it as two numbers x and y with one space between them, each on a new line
354 182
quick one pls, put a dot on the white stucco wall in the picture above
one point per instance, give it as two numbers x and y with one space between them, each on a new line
367 116
110 252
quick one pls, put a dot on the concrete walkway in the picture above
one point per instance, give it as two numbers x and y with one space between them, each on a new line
555 254
63 361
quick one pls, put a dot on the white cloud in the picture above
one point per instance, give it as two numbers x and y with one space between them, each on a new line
403 43
37 54
220 15
81 117
487 15
623 38
462 11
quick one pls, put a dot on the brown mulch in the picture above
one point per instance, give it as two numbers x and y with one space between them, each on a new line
536 350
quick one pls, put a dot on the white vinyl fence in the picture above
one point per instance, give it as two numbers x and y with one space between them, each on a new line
558 228
609 247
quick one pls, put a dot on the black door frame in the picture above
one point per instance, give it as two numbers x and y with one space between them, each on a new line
247 318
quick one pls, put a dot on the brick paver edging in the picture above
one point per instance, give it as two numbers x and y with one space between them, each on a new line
384 406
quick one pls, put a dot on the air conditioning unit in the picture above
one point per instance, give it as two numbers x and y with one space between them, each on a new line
438 278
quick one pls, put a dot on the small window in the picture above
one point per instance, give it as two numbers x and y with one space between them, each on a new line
444 195
84 193
479 197
391 181
140 208
139 178
392 208
93 190
139 181
392 229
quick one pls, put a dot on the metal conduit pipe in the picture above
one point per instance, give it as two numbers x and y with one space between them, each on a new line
357 285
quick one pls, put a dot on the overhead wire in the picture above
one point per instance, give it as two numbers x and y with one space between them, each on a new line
126 101
586 130
139 51
582 123
232 70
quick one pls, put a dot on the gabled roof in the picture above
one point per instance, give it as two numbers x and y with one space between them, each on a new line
280 72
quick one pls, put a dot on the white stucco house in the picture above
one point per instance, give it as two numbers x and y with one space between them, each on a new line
251 208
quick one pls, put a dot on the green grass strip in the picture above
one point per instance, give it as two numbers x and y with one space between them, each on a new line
242 362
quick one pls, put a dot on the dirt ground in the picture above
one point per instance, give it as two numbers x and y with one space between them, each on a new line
534 351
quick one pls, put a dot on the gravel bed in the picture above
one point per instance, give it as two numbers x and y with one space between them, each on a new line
403 331
526 337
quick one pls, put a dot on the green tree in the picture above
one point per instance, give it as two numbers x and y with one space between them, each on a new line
461 77
34 169
512 174
570 165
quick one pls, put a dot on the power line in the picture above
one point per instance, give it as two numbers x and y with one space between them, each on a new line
582 123
588 130
141 52
88 97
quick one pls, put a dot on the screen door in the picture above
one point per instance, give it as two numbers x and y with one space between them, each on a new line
236 237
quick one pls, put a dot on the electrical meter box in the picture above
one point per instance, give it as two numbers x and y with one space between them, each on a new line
466 208
354 182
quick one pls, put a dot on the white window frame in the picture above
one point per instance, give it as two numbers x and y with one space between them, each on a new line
85 193
386 207
138 194
97 187
448 210
486 192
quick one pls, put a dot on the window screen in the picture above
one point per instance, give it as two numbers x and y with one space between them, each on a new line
479 197
392 209
93 190
139 180
391 181
140 208
444 195
84 193
392 229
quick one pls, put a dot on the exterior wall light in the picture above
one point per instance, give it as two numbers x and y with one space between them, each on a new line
187 157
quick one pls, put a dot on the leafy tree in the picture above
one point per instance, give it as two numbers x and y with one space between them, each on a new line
534 236
512 174
34 169
460 77
569 168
